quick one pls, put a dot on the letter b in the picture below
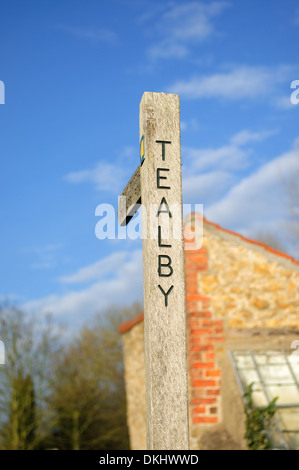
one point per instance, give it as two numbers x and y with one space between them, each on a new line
165 265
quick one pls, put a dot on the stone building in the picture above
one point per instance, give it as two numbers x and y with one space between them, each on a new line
242 304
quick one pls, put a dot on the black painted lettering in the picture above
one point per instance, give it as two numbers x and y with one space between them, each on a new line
160 244
166 294
166 211
165 265
159 177
163 142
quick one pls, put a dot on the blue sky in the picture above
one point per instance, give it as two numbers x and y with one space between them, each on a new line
74 74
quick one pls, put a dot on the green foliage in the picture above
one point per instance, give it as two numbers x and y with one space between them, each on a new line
258 421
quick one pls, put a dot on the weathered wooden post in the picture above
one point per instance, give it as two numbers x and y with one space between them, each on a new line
157 185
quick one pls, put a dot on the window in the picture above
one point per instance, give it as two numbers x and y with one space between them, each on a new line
273 374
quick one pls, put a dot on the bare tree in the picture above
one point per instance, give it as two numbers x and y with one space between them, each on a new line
24 378
270 239
88 391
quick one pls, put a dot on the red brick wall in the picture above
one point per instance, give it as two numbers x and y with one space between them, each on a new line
203 333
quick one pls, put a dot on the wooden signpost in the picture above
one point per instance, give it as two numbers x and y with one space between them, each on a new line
157 186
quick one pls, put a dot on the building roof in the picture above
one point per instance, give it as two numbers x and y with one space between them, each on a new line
126 326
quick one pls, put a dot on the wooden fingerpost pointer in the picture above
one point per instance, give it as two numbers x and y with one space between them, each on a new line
157 186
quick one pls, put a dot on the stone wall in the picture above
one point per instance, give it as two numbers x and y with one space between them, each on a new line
249 286
134 369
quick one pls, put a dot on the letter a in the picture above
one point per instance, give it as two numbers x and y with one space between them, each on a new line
167 211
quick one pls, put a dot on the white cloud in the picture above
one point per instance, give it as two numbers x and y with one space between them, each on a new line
283 102
121 288
180 26
96 270
240 82
105 176
184 125
193 20
209 173
167 48
230 157
245 136
96 35
47 256
129 152
191 125
225 157
258 200
206 188
296 17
